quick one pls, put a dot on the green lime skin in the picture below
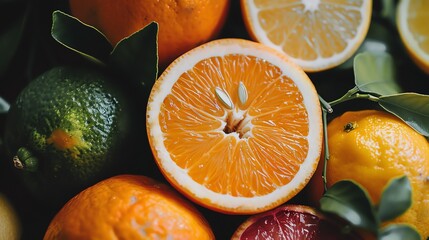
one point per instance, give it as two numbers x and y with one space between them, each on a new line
67 130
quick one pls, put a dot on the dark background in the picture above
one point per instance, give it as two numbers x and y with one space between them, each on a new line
38 52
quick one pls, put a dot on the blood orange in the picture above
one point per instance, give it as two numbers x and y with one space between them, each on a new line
292 222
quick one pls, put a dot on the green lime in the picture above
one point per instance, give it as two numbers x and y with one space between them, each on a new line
67 130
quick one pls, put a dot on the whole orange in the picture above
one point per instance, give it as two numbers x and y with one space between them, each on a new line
183 24
128 207
372 147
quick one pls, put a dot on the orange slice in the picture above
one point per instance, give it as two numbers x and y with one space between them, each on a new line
316 34
412 22
235 126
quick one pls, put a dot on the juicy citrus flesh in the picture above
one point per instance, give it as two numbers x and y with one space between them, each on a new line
372 147
291 222
128 207
317 35
205 144
245 156
412 19
183 24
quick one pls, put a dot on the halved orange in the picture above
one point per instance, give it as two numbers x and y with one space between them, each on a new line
235 126
412 22
316 34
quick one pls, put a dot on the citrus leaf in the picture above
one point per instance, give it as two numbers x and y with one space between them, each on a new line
413 108
136 56
399 232
4 106
374 73
395 199
10 39
80 37
350 201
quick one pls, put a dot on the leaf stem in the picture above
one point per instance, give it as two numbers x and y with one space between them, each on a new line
345 97
326 149
367 96
325 105
354 94
326 108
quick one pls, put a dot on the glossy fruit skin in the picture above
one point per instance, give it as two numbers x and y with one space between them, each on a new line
183 24
291 222
74 121
372 147
128 207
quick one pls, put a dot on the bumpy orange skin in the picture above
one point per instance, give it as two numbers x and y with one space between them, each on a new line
128 207
183 24
378 147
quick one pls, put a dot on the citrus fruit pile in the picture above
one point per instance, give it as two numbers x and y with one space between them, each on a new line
229 140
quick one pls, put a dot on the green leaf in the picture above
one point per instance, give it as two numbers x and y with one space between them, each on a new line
374 73
4 106
395 199
136 57
80 37
413 108
350 201
399 232
10 39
